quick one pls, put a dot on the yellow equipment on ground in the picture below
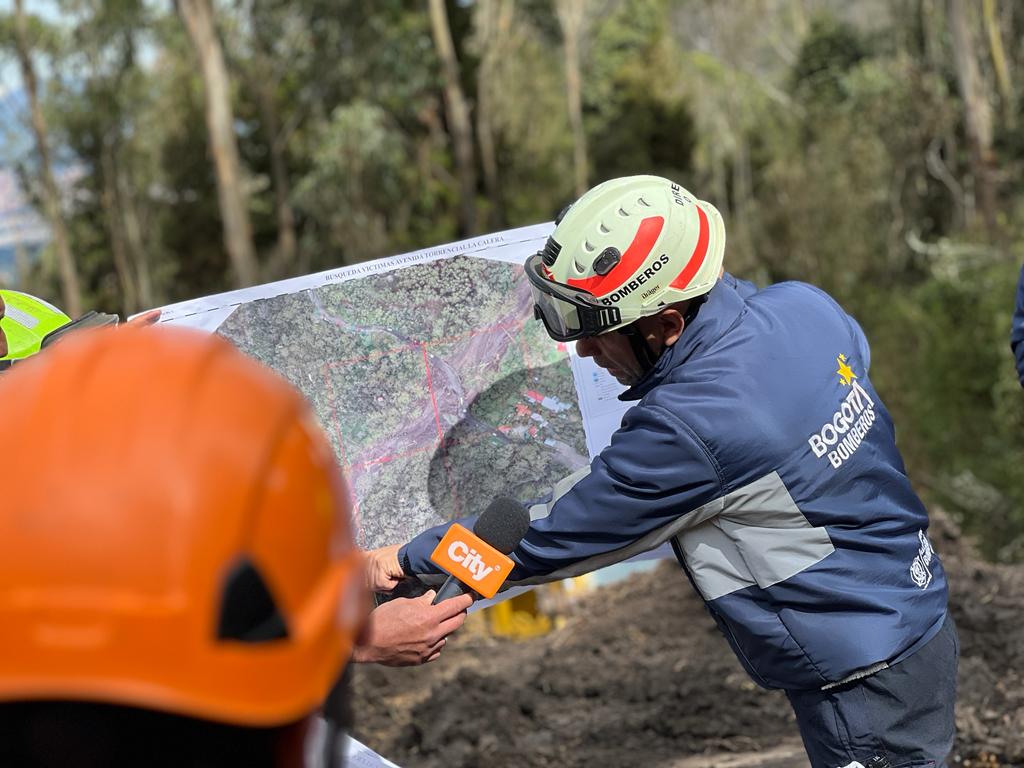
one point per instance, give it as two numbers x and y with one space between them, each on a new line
537 611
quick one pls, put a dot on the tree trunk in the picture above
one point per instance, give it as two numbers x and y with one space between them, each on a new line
458 116
570 18
284 258
198 18
490 16
23 267
977 113
262 74
109 202
995 43
744 204
70 286
137 249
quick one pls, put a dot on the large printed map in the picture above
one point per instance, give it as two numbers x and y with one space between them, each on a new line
436 388
435 385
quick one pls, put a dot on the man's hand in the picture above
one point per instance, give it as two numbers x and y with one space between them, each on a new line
405 632
146 318
383 571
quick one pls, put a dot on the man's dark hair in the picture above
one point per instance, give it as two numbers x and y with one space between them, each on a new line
62 734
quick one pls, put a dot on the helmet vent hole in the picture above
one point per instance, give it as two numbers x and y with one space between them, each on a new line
623 212
588 246
550 252
603 229
579 267
248 612
643 202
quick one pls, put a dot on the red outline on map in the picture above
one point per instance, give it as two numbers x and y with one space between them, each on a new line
514 327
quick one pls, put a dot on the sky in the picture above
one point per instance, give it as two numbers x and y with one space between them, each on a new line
10 78
17 221
10 75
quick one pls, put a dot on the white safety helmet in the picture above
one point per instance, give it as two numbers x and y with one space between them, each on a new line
625 250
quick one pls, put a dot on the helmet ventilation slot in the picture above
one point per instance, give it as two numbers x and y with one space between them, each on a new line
247 611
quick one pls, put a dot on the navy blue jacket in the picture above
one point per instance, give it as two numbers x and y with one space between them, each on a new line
1017 333
761 451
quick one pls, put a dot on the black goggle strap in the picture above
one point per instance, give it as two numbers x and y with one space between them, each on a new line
597 319
641 349
695 304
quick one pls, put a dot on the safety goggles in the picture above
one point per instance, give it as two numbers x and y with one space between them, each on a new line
567 313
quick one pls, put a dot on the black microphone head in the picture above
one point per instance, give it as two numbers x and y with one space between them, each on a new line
503 524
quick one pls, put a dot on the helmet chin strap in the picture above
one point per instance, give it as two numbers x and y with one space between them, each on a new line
641 349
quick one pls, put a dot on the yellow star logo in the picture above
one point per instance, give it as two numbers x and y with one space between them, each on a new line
845 372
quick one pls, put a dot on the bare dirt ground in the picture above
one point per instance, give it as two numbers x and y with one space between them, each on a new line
634 678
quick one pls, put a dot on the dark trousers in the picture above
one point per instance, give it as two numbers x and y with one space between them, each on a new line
900 717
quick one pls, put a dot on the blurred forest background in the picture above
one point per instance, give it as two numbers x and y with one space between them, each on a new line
874 148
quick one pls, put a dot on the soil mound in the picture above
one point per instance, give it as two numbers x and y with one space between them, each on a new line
987 602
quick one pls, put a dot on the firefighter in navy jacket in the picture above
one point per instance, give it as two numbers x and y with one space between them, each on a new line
760 450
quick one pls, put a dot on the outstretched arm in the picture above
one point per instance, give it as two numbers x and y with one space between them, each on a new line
638 492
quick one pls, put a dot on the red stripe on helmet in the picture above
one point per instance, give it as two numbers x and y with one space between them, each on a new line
697 257
643 243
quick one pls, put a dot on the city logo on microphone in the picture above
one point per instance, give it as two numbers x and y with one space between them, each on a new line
472 560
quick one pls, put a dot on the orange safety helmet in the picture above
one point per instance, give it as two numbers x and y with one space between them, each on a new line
174 532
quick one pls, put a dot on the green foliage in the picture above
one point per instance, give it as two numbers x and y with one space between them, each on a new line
529 118
364 191
861 180
857 177
362 144
637 119
941 360
660 140
42 37
835 149
830 51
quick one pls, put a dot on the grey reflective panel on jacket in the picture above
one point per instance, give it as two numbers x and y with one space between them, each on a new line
758 536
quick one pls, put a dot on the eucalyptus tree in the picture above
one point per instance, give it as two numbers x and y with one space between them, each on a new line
26 35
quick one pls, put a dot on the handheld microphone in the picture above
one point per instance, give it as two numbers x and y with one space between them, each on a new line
478 560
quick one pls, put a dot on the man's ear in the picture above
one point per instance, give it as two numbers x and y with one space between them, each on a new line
671 325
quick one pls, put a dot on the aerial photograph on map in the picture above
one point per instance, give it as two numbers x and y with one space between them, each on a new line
435 385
